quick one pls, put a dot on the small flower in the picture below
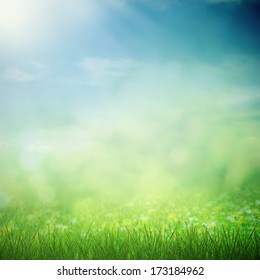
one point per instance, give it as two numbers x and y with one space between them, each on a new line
193 219
123 229
61 227
231 219
83 234
210 225
213 225
144 218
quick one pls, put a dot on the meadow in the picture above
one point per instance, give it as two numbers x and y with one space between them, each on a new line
147 185
190 226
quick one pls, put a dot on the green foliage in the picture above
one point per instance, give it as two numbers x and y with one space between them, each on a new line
186 226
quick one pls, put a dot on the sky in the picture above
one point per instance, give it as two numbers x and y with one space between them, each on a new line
140 91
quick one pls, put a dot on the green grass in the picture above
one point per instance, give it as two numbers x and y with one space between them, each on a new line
170 183
192 226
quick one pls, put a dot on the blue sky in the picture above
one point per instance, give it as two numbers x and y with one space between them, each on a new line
61 34
70 50
104 78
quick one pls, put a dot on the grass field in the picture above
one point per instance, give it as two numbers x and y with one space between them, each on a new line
197 225
171 186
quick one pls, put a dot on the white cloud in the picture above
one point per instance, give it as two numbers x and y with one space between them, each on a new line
100 70
39 65
17 75
27 72
25 24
